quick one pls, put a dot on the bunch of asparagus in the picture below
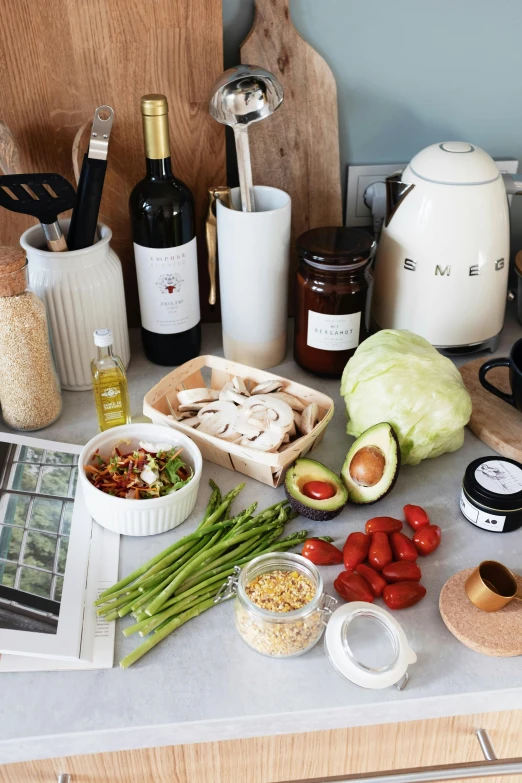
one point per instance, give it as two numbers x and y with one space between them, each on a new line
181 582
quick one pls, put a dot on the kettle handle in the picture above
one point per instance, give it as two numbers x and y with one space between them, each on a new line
396 192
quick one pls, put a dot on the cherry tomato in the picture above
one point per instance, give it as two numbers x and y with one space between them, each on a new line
383 525
355 550
403 548
321 552
403 594
353 587
427 539
373 577
318 490
403 571
415 516
380 553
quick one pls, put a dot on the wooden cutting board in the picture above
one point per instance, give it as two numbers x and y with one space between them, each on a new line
59 59
297 148
493 420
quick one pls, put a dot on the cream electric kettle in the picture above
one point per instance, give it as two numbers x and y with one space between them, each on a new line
441 268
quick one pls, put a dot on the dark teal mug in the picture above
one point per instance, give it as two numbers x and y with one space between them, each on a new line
514 363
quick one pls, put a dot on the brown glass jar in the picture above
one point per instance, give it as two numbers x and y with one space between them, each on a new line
331 294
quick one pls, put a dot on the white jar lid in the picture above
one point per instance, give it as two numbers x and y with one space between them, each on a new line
368 646
102 337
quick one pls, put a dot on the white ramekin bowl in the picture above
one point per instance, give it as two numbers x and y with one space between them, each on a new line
140 517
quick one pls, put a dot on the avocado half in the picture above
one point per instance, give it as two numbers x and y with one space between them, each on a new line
299 474
372 464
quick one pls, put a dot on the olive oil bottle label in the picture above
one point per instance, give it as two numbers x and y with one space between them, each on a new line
111 404
333 332
168 287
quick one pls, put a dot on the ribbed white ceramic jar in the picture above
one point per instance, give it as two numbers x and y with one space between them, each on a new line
83 291
140 517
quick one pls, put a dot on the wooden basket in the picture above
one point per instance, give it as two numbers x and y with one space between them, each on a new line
214 371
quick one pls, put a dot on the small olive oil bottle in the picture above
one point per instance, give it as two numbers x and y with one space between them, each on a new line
109 383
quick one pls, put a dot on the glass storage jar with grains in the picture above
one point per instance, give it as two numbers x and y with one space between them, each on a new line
280 609
331 295
29 388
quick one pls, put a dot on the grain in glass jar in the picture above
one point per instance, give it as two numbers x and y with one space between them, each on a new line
29 388
331 297
280 608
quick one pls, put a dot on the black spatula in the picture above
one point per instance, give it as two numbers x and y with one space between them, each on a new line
44 196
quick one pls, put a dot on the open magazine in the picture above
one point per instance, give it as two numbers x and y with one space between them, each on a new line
54 561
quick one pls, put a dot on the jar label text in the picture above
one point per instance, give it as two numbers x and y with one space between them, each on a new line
333 332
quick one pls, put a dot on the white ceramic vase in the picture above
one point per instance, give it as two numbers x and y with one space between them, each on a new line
253 257
83 291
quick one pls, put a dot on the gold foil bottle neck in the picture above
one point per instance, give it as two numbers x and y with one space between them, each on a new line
154 111
154 105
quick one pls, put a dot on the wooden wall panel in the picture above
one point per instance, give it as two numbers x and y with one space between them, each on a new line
59 59
292 757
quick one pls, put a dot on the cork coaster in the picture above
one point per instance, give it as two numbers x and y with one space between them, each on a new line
491 633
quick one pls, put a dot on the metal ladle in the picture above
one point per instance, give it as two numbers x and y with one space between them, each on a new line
243 95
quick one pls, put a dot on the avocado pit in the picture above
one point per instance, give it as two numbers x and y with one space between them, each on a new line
372 464
367 466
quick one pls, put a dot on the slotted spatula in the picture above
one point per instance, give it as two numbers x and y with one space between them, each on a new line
44 196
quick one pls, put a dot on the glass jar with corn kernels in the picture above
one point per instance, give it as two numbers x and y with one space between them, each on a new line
280 607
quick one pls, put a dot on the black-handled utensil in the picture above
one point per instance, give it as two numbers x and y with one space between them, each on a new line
44 196
82 231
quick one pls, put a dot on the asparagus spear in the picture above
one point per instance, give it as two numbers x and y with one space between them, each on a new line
160 634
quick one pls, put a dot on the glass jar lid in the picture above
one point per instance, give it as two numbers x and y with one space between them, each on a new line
368 647
335 248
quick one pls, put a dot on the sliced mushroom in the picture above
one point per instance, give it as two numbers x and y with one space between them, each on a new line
265 387
188 396
309 418
219 406
192 406
263 414
292 431
231 435
284 416
294 403
246 427
231 395
297 420
286 438
213 425
193 422
269 440
239 385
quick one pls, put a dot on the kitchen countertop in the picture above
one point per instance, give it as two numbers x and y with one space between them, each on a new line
203 683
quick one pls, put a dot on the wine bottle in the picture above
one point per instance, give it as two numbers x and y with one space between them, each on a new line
162 216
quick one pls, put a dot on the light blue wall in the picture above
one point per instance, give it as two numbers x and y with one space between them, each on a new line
413 72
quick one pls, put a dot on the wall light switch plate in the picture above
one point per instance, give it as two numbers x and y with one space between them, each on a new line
359 177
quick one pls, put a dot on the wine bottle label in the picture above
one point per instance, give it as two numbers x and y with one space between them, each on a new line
333 332
168 287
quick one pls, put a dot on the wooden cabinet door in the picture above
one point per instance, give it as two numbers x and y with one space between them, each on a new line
292 757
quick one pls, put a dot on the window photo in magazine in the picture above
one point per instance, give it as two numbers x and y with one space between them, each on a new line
37 489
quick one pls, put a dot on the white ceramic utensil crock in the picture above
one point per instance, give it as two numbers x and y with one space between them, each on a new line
254 253
140 517
82 291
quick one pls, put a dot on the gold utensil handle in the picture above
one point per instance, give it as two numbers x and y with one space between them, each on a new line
224 195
